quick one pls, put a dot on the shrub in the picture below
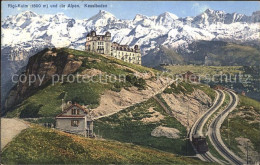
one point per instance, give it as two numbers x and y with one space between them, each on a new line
62 95
131 78
168 91
188 87
138 82
30 111
116 89
84 62
117 86
83 93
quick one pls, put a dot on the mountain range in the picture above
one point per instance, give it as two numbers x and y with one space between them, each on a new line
27 33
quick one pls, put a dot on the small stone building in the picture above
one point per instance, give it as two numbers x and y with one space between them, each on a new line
75 119
190 76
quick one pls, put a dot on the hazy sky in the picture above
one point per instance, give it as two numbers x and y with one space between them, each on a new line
128 10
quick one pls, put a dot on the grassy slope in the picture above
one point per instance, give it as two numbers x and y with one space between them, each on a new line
109 60
121 126
234 54
188 88
164 55
223 53
241 125
239 54
247 76
38 145
47 101
50 98
206 89
126 126
203 70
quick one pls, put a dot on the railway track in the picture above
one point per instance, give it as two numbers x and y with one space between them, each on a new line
214 132
200 123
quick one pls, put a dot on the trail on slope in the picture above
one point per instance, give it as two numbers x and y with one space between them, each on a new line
10 128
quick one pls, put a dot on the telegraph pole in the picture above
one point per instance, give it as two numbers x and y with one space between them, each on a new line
62 105
188 129
247 152
228 133
188 118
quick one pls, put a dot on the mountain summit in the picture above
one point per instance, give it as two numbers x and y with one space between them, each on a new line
101 19
210 16
27 14
166 18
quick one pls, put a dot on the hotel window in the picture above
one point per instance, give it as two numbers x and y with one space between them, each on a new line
75 111
74 123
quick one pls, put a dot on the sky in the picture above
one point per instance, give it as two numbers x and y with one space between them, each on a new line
128 9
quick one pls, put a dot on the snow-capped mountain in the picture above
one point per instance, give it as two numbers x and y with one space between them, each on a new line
101 19
26 33
28 29
213 17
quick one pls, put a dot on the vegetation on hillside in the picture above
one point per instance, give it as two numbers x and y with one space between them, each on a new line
240 78
128 126
203 70
206 89
238 55
108 60
38 145
179 88
222 53
243 122
46 101
188 88
161 55
218 53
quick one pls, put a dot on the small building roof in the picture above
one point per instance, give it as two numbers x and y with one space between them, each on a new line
188 73
61 116
73 116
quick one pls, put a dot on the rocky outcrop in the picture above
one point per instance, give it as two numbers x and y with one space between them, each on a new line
188 108
155 116
112 102
39 72
245 145
166 131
